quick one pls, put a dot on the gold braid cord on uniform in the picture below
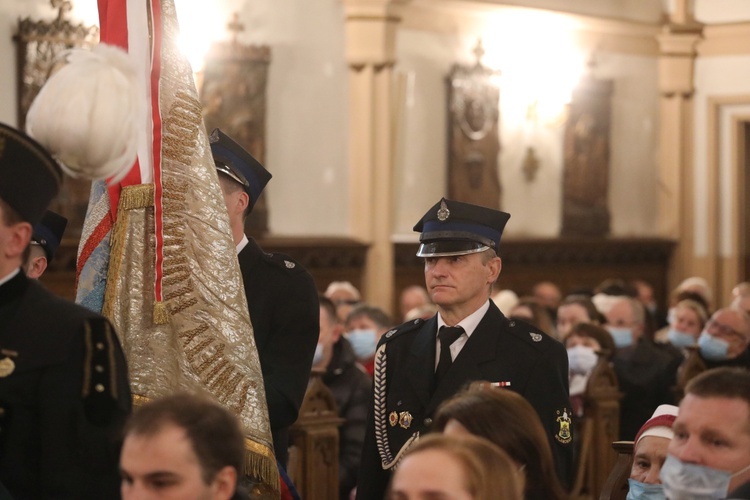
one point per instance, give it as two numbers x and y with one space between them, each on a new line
199 337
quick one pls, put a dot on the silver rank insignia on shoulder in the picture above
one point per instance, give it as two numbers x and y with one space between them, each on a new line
536 337
393 419
443 213
563 434
405 419
7 366
390 333
289 265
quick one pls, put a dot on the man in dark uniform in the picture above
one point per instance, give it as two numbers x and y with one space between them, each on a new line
45 240
64 391
421 363
281 294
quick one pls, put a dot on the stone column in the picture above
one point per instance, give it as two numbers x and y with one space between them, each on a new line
371 27
677 44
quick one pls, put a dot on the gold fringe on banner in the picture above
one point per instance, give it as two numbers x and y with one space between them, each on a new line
260 463
131 198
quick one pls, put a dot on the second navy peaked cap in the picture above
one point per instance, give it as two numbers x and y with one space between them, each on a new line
49 233
234 161
456 228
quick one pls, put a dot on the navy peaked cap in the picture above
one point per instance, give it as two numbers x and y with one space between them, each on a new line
49 232
456 228
234 161
29 177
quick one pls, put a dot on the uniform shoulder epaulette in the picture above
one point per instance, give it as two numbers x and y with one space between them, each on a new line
400 330
284 262
529 333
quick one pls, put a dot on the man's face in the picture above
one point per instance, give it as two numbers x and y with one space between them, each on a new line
164 466
713 432
13 241
648 458
411 298
727 325
460 282
621 316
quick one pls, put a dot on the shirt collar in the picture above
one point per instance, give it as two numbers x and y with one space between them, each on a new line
9 277
470 322
243 243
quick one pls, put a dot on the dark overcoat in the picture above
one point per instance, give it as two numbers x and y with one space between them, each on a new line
285 313
63 405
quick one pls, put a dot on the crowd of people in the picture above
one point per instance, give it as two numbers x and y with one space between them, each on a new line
468 394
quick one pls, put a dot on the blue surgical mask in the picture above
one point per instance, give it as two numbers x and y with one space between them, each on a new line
644 491
684 481
581 359
318 356
680 339
623 337
712 349
363 342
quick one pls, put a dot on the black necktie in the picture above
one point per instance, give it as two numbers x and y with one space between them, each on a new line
447 335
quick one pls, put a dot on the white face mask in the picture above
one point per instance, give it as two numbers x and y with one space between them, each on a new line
581 359
684 481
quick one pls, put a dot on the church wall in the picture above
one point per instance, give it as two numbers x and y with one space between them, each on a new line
424 60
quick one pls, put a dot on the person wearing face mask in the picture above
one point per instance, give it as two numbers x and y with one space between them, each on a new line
725 339
709 456
645 373
364 326
649 453
351 389
686 322
585 343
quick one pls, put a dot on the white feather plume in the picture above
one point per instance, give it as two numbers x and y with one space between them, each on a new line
87 114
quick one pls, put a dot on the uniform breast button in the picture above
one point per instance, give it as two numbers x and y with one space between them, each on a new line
99 369
100 346
512 324
428 421
99 388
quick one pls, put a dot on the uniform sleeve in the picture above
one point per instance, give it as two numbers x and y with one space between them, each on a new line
287 356
547 391
372 479
83 404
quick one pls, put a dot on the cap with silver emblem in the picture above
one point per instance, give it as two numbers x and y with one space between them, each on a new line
234 161
456 228
49 233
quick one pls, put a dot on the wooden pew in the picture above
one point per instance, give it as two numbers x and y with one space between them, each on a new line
616 486
598 428
314 443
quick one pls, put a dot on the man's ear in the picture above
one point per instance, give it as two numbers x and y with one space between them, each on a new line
224 483
36 267
20 236
243 201
494 266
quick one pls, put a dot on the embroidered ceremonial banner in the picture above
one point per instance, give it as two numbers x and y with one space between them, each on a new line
157 256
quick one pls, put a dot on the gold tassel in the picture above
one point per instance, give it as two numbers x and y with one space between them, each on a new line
131 197
136 196
260 464
161 314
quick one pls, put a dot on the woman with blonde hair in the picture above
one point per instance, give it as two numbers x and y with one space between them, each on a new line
509 421
460 468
